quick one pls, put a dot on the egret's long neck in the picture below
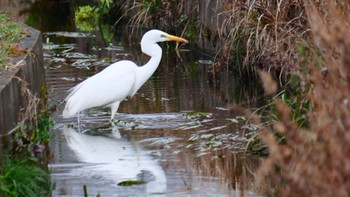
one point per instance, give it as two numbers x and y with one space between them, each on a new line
155 52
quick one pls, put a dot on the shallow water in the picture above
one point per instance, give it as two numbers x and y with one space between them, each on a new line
158 137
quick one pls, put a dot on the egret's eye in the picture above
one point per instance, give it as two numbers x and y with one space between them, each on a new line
162 35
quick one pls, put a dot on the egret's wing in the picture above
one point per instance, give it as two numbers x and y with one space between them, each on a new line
118 68
74 89
112 84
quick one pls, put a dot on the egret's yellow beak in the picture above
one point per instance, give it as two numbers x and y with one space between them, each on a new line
175 38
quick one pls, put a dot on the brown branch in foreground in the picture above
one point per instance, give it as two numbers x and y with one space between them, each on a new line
315 161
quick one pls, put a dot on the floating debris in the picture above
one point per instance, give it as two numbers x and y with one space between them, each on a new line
208 62
57 60
198 115
69 34
102 62
184 50
54 66
114 48
213 143
222 108
165 99
51 46
240 118
250 127
79 55
217 128
160 140
68 78
234 120
131 182
82 63
202 154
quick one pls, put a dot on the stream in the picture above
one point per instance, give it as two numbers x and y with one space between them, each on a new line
180 135
184 133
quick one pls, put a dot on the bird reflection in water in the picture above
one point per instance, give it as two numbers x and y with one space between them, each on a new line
111 157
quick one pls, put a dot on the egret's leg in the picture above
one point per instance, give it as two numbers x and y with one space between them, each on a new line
115 131
78 121
114 108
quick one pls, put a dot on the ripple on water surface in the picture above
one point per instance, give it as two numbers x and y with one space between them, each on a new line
176 136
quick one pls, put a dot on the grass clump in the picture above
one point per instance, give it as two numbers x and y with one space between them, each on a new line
10 34
89 17
20 172
23 169
22 177
86 18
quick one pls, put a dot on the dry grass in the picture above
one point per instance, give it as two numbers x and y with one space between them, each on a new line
261 33
264 33
153 13
315 161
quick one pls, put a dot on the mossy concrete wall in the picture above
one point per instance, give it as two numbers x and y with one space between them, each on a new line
28 75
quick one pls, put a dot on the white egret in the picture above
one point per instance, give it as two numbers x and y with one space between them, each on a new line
119 80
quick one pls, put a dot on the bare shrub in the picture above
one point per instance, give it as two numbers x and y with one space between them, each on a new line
315 161
265 33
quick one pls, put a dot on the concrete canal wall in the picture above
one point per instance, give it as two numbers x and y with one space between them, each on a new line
14 83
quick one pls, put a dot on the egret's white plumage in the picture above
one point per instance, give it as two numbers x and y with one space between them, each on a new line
119 80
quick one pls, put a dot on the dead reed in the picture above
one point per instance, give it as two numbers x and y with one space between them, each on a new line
247 34
264 33
315 161
154 13
312 161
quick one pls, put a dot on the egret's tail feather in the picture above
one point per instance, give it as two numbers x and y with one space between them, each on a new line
68 112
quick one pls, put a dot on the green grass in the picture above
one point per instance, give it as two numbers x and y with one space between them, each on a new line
20 172
22 177
10 34
20 167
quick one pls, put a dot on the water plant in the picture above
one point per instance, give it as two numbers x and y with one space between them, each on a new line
86 18
89 17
